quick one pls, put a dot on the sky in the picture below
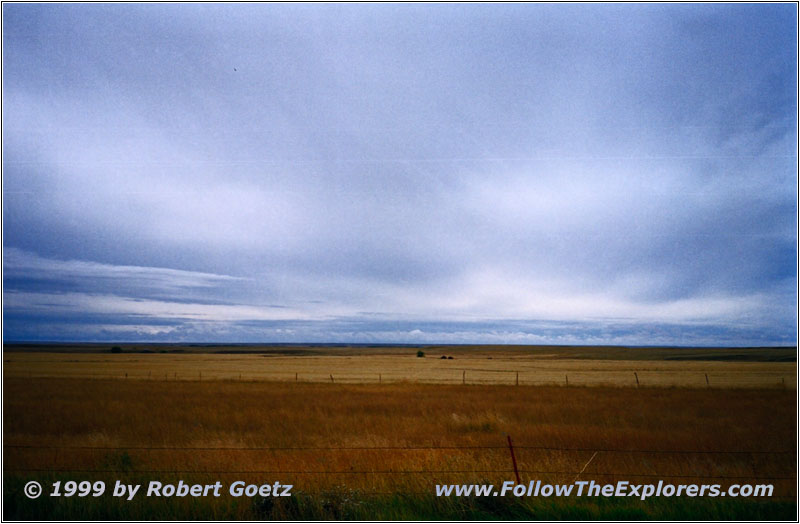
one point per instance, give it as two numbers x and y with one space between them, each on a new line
400 173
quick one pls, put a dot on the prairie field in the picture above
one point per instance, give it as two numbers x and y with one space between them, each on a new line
376 451
553 366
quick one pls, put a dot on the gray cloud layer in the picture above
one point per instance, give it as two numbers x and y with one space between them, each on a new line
486 172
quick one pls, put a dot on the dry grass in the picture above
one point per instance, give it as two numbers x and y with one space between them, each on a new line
404 366
125 415
117 404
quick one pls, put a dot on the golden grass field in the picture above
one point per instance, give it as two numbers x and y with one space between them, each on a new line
396 365
419 427
115 414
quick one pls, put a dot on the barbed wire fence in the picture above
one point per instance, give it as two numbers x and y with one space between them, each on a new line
507 464
463 376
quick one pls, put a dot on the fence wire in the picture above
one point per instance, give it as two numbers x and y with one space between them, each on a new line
421 472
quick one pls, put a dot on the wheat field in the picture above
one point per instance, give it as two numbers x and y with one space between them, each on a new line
343 443
499 368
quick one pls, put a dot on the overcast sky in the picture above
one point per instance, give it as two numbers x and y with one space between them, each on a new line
516 173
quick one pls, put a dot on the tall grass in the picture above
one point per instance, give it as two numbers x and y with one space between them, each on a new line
123 416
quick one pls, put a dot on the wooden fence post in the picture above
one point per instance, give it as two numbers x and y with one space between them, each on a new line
380 378
331 378
517 378
464 377
513 459
295 377
566 379
707 383
637 378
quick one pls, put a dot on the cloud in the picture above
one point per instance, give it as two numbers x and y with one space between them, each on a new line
90 304
454 163
18 263
480 306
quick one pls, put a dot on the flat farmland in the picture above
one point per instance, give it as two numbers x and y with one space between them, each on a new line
678 368
373 441
369 451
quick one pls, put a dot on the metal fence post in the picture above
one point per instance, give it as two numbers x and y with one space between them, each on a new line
513 459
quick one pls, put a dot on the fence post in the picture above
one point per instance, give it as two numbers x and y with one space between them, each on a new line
517 378
566 379
637 379
707 384
295 377
464 377
513 459
380 378
331 378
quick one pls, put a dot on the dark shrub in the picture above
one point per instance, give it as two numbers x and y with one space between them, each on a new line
116 349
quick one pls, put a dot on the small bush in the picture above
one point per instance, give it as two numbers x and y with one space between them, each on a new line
116 349
420 354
